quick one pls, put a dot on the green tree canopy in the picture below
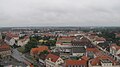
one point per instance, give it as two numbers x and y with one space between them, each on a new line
31 44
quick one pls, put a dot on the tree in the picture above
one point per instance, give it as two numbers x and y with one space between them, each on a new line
44 52
50 43
22 37
110 36
3 36
15 46
31 44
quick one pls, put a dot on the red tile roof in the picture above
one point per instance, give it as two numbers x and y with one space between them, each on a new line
39 49
85 58
96 51
65 38
58 43
75 62
92 49
24 39
4 47
100 39
48 34
96 61
92 36
53 57
12 35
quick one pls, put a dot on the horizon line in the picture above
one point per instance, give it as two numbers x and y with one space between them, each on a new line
53 26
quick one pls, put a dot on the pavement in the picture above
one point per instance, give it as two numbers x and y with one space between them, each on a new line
13 62
23 59
18 56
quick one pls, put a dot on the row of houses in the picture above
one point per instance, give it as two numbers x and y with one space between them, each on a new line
14 39
5 50
76 45
54 60
72 46
109 57
93 58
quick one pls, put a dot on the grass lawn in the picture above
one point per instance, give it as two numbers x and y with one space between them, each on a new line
21 49
29 57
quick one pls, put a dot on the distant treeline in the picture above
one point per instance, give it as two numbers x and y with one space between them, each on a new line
52 29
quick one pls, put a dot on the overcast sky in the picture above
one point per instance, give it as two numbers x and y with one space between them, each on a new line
59 13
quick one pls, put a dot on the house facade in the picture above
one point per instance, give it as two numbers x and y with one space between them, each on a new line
103 61
23 41
115 50
53 61
10 40
5 51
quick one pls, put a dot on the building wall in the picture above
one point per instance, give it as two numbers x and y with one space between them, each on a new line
78 54
49 63
97 42
59 61
109 65
59 45
118 52
106 64
16 38
113 51
11 42
22 43
42 61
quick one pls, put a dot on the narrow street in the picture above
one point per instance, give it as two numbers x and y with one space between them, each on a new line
18 56
104 51
21 58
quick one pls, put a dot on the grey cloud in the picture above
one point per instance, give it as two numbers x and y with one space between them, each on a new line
59 12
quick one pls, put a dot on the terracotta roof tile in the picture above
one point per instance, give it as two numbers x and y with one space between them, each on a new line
92 49
4 47
75 62
10 34
100 39
96 61
53 57
39 49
